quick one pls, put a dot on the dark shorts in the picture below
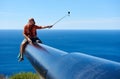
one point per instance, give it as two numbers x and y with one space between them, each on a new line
34 40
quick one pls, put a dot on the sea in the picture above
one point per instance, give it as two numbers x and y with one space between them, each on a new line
100 43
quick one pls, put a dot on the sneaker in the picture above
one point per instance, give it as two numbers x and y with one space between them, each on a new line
21 59
19 55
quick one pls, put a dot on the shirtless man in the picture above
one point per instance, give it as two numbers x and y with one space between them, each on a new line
30 35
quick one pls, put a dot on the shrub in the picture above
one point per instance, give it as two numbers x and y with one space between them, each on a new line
25 75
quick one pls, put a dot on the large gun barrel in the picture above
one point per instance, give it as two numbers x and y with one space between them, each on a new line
52 63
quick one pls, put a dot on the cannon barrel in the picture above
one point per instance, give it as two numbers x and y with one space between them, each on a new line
51 63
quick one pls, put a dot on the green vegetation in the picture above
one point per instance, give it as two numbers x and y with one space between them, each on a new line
25 75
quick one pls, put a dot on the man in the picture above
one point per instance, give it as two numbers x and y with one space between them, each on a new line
30 35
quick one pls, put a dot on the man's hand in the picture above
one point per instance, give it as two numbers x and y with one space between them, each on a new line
30 41
47 26
50 26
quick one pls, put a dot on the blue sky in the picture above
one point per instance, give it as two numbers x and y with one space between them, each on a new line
85 14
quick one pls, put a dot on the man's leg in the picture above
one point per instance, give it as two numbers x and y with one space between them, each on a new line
22 49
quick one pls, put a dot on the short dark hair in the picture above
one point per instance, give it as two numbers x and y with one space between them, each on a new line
31 19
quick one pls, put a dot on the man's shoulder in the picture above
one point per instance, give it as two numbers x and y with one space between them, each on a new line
36 26
26 25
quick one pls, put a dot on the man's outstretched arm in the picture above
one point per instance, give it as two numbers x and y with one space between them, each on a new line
43 27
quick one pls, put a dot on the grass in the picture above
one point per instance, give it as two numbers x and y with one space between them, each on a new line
25 75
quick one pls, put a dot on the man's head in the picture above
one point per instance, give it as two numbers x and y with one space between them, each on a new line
31 21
